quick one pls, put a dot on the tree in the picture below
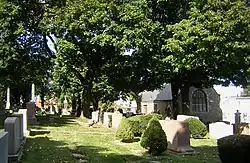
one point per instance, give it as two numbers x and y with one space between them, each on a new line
24 52
212 44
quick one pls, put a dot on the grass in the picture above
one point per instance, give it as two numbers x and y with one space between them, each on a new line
68 137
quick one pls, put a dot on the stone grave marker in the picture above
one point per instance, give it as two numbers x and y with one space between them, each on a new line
24 113
4 147
106 118
15 149
184 117
220 129
178 136
94 116
116 119
11 125
31 113
20 118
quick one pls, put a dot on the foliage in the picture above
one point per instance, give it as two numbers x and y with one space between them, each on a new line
143 121
154 138
126 129
210 46
234 148
197 129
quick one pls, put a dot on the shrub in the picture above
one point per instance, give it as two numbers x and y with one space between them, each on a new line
126 130
234 149
197 129
143 121
154 138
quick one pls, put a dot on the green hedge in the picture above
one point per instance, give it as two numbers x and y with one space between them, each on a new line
198 130
154 138
132 127
143 121
126 130
234 149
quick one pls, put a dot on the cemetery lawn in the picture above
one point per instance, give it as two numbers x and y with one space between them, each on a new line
70 141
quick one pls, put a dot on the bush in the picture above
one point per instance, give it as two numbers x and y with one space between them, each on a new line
143 121
197 129
234 149
154 138
126 130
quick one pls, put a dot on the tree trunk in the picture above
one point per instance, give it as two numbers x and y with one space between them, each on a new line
95 104
175 100
87 100
138 99
73 105
79 106
42 97
185 99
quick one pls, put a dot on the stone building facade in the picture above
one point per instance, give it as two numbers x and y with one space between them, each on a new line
204 103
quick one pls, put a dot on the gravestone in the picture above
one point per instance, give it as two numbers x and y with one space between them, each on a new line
20 118
11 125
178 136
94 116
116 119
184 117
31 113
106 118
24 122
4 147
220 129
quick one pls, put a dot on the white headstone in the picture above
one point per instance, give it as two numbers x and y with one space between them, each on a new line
220 129
94 116
116 119
106 118
24 113
184 117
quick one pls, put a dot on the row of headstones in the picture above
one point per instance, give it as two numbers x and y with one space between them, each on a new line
12 140
177 131
108 117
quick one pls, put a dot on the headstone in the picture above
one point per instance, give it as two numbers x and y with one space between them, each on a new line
178 136
184 117
116 119
8 99
4 147
220 129
31 113
20 118
11 125
94 116
106 118
24 122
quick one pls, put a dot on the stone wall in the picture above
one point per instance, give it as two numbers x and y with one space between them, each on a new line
213 105
162 106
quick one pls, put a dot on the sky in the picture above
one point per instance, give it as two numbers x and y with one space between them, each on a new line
228 91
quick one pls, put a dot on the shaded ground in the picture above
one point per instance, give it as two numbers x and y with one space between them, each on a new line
76 145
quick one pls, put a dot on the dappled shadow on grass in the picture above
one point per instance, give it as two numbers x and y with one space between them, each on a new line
45 150
208 153
53 121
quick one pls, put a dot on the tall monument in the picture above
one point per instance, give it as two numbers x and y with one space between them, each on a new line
31 107
8 99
